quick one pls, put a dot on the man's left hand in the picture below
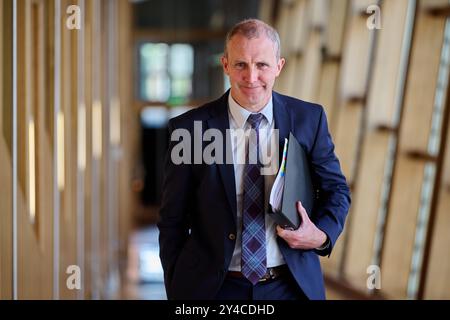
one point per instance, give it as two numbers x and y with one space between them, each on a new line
307 236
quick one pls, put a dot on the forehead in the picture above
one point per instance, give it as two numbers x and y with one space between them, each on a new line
240 47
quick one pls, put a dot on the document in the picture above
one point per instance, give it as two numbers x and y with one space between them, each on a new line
292 184
276 195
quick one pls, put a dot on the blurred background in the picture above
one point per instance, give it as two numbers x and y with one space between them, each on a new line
87 88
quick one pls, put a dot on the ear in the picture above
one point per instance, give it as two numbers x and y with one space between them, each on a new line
280 65
225 64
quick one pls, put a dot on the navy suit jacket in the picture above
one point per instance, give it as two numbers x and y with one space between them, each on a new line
199 211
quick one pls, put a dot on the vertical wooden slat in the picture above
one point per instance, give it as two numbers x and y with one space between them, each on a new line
311 67
97 124
56 89
293 43
354 77
334 31
266 8
437 280
34 239
88 24
6 258
129 137
68 221
53 76
382 108
356 56
103 161
409 172
332 52
81 145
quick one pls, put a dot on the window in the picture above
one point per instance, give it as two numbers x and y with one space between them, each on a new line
166 72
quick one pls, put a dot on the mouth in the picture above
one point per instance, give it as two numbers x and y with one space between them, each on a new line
251 88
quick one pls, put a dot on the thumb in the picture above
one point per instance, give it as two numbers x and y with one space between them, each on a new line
302 212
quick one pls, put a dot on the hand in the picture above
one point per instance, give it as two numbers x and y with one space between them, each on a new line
307 236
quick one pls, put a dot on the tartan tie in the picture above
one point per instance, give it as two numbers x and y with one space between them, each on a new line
253 257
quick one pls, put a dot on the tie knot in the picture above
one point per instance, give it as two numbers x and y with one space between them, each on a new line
255 120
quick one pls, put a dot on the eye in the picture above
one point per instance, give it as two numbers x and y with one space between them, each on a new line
262 65
239 65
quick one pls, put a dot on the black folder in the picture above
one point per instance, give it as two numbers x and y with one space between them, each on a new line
297 187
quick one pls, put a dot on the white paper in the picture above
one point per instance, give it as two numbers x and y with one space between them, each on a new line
276 194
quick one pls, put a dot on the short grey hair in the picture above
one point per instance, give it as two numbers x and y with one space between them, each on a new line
251 29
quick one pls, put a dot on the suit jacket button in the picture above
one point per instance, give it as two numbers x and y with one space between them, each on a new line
232 236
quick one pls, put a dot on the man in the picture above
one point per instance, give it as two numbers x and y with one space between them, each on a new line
216 242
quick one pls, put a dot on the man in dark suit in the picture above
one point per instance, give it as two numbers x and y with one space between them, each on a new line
216 242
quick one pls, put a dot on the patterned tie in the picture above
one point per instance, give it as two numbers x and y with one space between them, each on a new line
253 259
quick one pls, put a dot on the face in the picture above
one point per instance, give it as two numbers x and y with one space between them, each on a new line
252 67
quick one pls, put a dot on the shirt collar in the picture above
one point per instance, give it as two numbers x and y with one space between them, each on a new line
240 114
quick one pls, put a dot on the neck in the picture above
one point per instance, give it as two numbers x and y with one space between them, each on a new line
251 108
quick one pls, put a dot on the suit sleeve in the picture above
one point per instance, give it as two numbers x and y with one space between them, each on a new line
333 192
173 221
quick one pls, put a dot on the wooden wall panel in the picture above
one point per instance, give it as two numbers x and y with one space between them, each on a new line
327 91
299 27
266 11
282 25
308 79
414 135
293 44
5 154
88 91
105 178
374 162
384 88
333 36
438 274
286 82
355 62
96 128
334 29
354 76
319 13
35 256
68 205
346 137
360 6
129 138
90 74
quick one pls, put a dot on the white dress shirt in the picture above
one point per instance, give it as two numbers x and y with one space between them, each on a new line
238 120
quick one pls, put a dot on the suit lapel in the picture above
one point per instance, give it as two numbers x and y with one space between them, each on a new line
282 122
219 120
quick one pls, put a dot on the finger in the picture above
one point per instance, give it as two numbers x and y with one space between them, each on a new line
302 211
283 232
280 231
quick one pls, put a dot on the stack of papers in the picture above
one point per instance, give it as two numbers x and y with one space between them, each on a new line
276 195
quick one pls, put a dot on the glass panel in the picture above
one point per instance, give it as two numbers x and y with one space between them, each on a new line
166 72
181 70
155 82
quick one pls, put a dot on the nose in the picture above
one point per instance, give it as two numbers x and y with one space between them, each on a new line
251 74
